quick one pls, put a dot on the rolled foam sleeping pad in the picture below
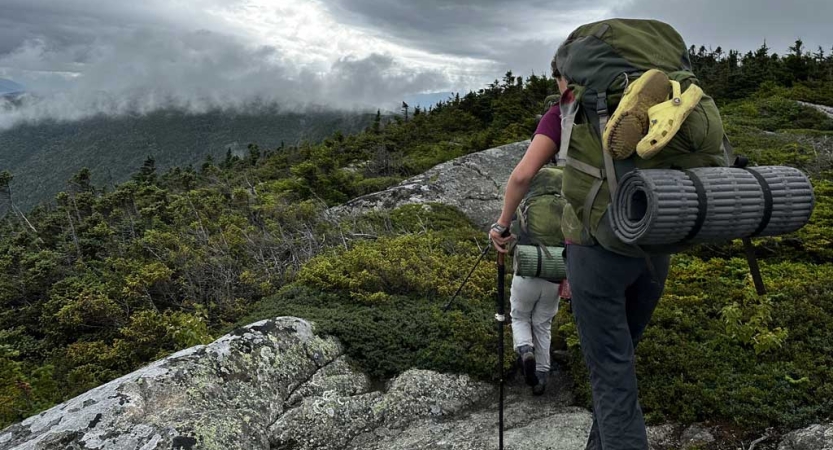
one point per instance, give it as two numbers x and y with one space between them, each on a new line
710 204
532 261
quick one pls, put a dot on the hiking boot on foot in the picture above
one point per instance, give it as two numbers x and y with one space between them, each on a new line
666 118
527 356
539 388
629 123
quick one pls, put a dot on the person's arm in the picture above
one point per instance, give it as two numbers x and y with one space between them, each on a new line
541 150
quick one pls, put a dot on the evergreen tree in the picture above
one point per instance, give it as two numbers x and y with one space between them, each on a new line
147 173
377 122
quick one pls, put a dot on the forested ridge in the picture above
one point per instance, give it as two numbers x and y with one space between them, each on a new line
105 278
44 153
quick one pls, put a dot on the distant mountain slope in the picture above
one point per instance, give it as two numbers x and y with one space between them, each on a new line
44 156
9 87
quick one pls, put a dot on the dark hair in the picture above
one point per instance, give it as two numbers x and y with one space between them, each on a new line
554 66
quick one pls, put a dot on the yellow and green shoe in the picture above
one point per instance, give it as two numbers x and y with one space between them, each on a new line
629 123
666 118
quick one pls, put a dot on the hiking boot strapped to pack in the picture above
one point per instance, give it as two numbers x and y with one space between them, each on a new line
629 123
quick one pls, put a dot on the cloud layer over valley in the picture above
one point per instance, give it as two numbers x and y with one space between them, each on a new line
79 58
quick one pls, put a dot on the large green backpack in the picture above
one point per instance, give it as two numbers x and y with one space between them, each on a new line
537 220
599 60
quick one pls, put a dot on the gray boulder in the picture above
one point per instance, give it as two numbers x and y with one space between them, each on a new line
696 436
332 420
273 384
814 437
219 396
664 437
530 422
473 183
825 109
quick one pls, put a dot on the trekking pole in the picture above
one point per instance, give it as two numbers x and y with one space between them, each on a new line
482 254
501 322
500 317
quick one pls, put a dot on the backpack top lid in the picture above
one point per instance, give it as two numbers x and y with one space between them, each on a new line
595 54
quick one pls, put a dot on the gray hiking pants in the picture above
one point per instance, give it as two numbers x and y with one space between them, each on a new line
534 302
614 297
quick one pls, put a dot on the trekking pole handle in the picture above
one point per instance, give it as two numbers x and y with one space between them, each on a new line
502 256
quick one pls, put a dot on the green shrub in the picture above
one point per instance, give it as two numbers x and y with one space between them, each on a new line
384 298
418 218
773 112
369 185
404 332
715 351
426 265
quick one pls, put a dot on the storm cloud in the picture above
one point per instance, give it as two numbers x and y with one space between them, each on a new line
143 71
519 35
83 57
741 25
522 35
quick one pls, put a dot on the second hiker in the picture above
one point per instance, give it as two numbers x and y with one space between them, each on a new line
535 286
534 300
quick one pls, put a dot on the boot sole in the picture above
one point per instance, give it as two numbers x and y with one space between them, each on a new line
629 123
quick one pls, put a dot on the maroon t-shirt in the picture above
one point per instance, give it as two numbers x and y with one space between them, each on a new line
550 125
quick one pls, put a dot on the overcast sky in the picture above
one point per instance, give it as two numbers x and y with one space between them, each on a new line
90 56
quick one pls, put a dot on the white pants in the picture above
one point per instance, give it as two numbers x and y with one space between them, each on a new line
534 303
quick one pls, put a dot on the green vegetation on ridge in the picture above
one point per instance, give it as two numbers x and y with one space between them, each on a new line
104 280
107 280
43 155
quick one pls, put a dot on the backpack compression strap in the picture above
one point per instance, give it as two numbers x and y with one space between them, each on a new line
599 175
611 167
748 247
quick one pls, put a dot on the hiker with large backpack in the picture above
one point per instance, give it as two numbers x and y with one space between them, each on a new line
539 272
533 197
615 119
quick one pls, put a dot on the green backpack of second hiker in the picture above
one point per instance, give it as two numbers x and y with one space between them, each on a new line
599 60
537 220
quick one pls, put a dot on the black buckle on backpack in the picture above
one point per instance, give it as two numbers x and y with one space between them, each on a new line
601 104
740 162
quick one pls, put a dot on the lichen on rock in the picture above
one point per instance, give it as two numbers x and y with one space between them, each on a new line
220 396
